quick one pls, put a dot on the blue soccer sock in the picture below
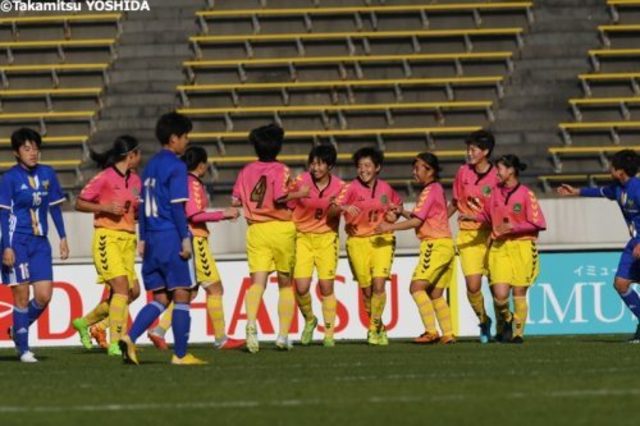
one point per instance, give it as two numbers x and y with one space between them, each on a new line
35 310
21 329
632 301
181 324
145 318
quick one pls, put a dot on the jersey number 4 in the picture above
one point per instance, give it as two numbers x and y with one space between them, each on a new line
259 191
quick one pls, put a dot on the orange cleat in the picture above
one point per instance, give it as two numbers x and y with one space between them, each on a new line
158 341
447 340
100 336
229 343
427 338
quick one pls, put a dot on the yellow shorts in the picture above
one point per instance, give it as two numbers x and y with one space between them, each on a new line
436 262
319 250
204 263
271 246
114 255
513 262
473 246
371 257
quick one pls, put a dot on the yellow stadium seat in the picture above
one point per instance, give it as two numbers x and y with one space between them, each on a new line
56 164
54 140
587 79
600 151
599 126
621 102
58 45
595 55
591 179
614 5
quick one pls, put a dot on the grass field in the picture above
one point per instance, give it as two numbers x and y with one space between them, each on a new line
546 381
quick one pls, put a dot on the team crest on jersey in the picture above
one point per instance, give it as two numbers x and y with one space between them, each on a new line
384 199
486 190
45 185
517 208
623 198
24 187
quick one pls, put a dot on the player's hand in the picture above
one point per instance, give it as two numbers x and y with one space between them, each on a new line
351 210
384 228
504 228
64 249
115 208
567 190
636 251
186 251
8 257
231 213
391 216
141 248
303 192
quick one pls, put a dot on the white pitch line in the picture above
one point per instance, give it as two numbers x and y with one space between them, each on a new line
401 399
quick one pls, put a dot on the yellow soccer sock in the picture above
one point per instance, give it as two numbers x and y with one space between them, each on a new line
476 300
100 312
252 302
499 320
502 309
166 318
329 305
216 315
367 305
102 324
378 302
286 309
304 303
443 313
117 315
425 307
520 315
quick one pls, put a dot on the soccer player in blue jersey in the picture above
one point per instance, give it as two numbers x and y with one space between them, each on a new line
626 192
28 193
165 240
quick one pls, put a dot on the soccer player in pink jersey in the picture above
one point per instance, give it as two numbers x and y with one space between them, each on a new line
366 202
516 220
434 271
206 271
113 197
262 189
317 239
472 187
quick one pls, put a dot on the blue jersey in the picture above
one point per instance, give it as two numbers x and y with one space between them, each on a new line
28 194
164 182
628 197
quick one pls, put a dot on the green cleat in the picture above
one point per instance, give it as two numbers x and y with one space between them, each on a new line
81 326
328 342
373 337
307 332
114 350
252 339
383 340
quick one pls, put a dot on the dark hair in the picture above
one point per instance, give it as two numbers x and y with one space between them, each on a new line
431 160
122 146
172 123
21 136
267 141
510 160
374 153
194 156
627 160
325 153
483 139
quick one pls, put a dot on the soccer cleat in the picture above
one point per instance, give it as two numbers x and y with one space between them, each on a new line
447 340
427 338
636 336
283 343
517 340
158 340
28 357
80 324
228 343
485 331
307 332
507 332
114 350
373 338
383 340
328 342
253 346
188 359
100 336
128 349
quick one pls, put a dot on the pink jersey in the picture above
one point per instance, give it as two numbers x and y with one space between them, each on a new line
111 186
471 191
373 202
197 203
310 214
431 209
517 206
258 186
